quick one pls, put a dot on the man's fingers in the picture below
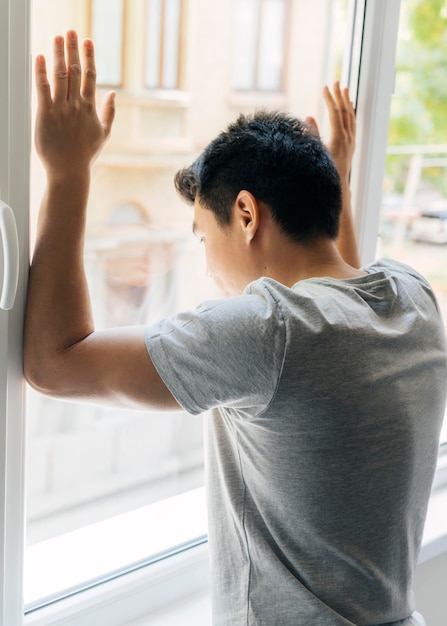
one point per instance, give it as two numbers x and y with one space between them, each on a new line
350 108
60 71
42 85
340 109
313 126
338 96
88 83
345 107
340 104
333 111
73 65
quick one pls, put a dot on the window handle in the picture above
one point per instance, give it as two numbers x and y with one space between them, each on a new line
10 241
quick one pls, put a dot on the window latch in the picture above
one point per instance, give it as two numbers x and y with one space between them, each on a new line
10 242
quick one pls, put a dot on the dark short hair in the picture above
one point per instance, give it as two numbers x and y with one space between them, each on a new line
281 162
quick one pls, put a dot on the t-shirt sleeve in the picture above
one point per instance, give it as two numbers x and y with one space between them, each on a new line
225 353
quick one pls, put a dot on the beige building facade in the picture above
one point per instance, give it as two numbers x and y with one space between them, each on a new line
182 70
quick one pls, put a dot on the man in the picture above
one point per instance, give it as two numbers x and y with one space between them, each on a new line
325 382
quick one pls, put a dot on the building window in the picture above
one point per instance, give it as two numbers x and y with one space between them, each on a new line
163 43
106 28
260 45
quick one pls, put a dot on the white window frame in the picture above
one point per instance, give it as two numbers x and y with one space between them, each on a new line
132 596
146 588
141 538
374 91
14 190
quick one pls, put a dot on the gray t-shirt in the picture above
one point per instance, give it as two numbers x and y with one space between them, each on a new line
326 405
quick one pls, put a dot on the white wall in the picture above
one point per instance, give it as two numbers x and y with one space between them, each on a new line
431 590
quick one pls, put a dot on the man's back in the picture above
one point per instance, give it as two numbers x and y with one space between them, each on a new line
318 486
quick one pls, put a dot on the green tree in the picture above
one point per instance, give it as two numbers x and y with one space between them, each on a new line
419 110
419 105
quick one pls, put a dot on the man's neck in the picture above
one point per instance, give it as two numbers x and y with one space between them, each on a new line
290 262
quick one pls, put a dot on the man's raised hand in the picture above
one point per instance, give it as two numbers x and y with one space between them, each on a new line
69 132
341 144
343 127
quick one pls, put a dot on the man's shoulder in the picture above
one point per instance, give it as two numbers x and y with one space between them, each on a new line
397 268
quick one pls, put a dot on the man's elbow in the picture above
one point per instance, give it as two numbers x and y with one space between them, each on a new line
41 371
36 377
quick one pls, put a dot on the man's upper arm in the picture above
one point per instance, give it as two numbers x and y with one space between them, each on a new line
111 367
227 352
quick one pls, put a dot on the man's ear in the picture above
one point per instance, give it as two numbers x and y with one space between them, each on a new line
247 214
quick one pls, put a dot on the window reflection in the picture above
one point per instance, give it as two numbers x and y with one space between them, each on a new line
86 463
137 268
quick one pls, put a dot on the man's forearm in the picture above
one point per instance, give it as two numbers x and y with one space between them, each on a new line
341 146
58 307
347 240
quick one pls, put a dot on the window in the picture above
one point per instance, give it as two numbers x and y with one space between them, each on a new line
163 43
413 218
260 45
85 467
107 33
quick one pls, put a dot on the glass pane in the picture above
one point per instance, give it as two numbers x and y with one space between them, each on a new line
87 464
153 36
246 35
272 44
171 44
106 31
413 226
